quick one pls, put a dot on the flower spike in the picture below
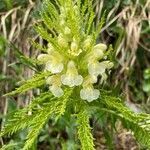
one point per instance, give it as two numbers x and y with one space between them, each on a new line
78 62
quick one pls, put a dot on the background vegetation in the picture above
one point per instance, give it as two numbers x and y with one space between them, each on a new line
127 28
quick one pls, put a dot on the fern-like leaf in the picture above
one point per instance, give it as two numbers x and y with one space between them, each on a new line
84 130
138 123
11 146
54 107
35 81
21 118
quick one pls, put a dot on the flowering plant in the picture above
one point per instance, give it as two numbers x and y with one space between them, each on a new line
73 58
73 64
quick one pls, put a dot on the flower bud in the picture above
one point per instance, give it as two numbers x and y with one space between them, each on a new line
67 31
75 53
50 48
74 46
43 57
62 41
62 12
87 43
110 65
62 22
100 46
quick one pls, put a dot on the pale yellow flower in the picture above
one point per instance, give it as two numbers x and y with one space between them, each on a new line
77 56
98 68
43 58
55 85
95 68
97 52
74 48
53 60
54 66
100 46
88 92
71 78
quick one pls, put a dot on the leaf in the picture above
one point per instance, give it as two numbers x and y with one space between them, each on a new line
20 119
23 59
146 86
147 74
56 107
35 81
10 146
84 130
138 123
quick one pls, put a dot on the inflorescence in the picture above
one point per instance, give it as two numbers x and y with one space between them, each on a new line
79 65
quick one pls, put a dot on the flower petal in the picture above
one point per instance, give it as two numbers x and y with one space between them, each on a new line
57 91
100 46
89 94
78 80
98 53
49 80
74 46
96 68
54 67
71 78
95 95
83 94
103 77
67 31
106 64
43 57
67 80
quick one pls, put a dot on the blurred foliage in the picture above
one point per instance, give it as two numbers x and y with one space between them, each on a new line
146 84
9 4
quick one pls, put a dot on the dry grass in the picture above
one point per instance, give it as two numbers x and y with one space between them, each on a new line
129 21
16 26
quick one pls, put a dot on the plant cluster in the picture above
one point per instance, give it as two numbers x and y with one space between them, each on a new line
72 62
